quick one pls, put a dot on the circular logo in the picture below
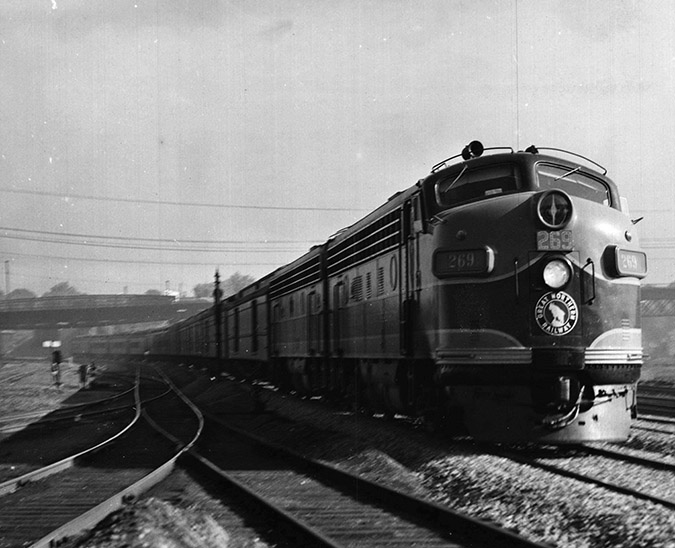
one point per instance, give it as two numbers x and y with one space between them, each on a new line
555 209
556 313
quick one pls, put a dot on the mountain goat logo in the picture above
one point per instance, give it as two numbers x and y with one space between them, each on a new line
556 313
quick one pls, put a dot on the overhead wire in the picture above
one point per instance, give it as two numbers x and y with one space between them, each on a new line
150 247
131 238
145 243
141 262
179 204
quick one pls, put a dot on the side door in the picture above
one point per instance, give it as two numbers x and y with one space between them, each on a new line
409 276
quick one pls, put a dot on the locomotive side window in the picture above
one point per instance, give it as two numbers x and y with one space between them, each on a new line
574 182
473 184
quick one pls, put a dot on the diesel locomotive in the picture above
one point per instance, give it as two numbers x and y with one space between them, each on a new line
499 294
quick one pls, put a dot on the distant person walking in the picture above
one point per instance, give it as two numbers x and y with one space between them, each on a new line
56 368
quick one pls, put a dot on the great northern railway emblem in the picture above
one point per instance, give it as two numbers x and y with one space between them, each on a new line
556 313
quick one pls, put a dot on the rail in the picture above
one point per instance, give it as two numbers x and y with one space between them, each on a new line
92 516
311 482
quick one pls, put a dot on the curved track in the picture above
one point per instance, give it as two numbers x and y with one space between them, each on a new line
37 439
59 500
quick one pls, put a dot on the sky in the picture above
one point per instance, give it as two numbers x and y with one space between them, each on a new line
145 144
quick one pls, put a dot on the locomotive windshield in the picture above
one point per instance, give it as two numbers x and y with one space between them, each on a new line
472 184
574 182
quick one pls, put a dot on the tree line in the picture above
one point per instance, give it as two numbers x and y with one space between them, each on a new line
228 286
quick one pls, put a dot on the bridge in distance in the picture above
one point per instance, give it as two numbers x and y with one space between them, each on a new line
94 310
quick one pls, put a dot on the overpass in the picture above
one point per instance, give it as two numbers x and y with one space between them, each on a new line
94 310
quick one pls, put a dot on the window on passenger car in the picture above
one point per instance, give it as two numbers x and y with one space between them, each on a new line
472 184
573 181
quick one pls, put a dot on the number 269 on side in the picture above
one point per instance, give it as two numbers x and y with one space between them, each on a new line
558 240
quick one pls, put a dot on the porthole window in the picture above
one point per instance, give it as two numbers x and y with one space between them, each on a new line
393 272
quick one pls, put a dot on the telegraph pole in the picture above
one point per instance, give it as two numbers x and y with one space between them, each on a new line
7 290
216 316
2 355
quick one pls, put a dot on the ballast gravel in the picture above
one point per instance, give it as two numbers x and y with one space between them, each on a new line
538 504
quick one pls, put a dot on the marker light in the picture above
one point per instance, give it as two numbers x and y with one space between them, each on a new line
557 273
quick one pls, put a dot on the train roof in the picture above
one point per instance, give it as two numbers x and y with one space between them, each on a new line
475 150
527 159
527 163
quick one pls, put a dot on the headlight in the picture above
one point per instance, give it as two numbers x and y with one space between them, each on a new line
557 273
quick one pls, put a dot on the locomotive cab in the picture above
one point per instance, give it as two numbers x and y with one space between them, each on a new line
535 275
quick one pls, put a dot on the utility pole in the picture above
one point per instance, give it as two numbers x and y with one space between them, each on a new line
216 316
2 349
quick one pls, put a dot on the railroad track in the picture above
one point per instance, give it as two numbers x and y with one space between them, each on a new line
321 505
658 400
318 504
33 440
89 406
308 500
655 465
59 500
660 405
12 376
647 462
544 459
659 425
